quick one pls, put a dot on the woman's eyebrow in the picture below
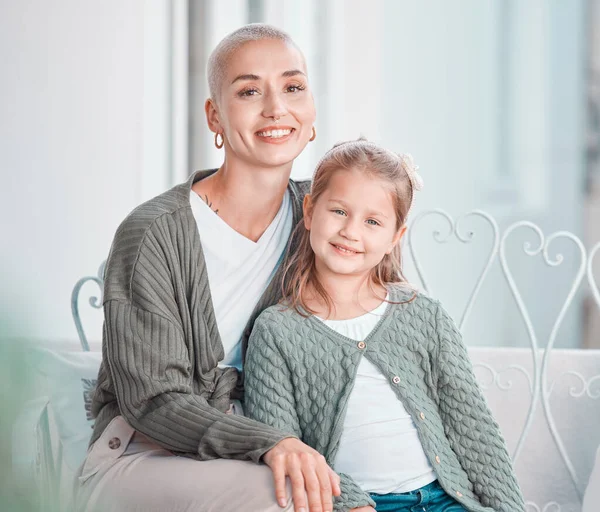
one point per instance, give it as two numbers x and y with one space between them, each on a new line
245 77
250 76
292 72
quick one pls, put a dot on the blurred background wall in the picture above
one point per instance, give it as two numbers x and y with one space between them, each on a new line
497 100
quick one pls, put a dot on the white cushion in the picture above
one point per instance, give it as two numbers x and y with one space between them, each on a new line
69 379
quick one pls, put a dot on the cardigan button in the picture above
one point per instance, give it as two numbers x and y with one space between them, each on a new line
422 415
396 380
114 443
361 345
437 459
459 494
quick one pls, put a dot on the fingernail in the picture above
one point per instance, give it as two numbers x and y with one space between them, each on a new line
282 502
301 510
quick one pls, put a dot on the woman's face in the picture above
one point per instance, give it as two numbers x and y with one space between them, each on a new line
265 109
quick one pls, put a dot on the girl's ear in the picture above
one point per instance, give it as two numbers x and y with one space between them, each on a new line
212 116
307 207
396 240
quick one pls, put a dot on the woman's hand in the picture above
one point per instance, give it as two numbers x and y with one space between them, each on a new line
363 509
308 471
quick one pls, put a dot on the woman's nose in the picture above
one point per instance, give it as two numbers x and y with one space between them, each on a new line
275 106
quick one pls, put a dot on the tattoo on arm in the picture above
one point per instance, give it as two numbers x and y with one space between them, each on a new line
209 203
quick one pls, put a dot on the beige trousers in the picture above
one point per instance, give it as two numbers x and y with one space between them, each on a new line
126 471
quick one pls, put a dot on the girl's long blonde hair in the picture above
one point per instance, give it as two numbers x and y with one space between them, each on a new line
398 170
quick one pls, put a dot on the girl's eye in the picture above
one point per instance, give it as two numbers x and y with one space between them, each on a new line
248 92
295 88
373 222
339 212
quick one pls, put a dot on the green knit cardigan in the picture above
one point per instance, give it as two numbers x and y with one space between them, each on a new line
300 373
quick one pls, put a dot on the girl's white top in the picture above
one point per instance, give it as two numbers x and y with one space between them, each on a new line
239 270
379 447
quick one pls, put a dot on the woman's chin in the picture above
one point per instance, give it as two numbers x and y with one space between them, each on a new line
279 158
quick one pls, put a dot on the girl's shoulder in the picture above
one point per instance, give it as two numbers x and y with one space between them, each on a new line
409 299
279 316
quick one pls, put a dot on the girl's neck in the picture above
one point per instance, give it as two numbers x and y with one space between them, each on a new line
352 296
247 198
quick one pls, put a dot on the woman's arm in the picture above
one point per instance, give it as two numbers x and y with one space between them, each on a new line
470 427
149 364
269 394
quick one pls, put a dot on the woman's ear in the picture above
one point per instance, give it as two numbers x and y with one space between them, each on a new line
212 116
307 207
397 237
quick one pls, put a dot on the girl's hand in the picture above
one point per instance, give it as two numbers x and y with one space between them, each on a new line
363 509
308 472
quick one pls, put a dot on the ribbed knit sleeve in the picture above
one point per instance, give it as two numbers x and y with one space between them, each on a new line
150 368
470 427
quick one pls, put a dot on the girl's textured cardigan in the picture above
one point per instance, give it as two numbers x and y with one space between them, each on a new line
300 373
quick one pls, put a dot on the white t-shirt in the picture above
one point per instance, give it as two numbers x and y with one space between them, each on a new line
239 270
379 446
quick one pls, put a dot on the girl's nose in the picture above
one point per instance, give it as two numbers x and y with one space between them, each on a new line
349 230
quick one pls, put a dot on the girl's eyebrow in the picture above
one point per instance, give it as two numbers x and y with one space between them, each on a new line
251 76
345 205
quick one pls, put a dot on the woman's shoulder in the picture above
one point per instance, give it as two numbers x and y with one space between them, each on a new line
131 237
169 202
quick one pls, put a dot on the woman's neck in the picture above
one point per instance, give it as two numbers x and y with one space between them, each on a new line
246 198
351 296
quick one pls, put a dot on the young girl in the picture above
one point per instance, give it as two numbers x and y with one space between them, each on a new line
369 372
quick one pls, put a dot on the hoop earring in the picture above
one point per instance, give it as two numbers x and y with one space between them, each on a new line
314 134
219 146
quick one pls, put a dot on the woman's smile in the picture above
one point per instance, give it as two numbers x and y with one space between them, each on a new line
275 134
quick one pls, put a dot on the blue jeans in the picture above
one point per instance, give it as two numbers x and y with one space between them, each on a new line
430 498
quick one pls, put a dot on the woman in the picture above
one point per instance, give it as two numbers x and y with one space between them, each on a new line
188 273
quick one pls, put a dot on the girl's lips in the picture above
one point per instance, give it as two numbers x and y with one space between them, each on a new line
344 250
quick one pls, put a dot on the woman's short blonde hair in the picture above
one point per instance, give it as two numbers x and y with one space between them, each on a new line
219 58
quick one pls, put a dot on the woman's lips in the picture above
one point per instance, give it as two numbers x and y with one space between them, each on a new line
275 135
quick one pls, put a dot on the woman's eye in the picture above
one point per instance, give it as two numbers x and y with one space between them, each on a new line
373 222
339 212
248 92
295 88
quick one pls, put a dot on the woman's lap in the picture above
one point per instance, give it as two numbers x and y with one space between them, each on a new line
430 498
142 476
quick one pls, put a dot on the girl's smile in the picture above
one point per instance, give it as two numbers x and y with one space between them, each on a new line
344 249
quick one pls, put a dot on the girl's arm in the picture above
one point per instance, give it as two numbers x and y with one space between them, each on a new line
470 427
269 398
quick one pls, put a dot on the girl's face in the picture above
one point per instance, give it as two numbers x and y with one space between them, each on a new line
265 108
352 224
